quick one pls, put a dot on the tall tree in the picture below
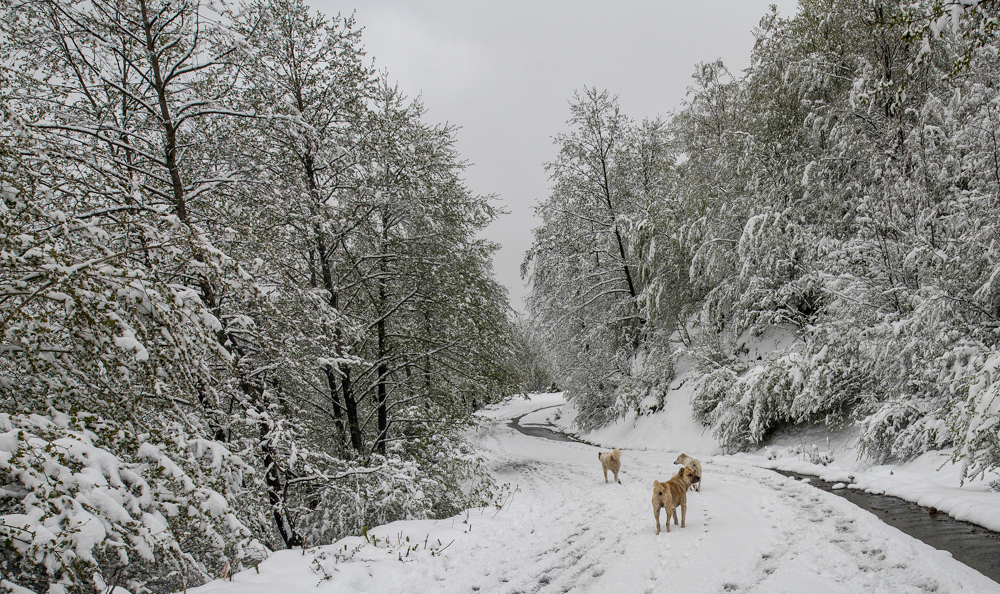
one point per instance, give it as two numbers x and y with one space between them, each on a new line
587 285
418 264
106 326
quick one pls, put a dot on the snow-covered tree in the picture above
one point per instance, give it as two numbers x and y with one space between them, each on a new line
191 258
588 286
841 193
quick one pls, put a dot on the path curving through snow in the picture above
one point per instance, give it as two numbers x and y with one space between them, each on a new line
564 529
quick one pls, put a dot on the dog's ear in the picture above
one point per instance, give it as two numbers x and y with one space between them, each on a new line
656 484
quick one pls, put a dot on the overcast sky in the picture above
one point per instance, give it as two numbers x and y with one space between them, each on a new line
504 71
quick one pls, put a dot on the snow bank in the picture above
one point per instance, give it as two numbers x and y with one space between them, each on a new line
932 480
672 429
382 560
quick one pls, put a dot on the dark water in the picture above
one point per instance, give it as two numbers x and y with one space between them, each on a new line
541 430
973 545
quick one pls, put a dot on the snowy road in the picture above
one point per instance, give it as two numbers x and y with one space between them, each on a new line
749 530
565 530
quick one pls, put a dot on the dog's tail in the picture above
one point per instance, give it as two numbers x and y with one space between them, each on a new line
615 454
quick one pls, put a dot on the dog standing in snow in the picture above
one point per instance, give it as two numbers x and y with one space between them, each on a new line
695 466
610 461
671 494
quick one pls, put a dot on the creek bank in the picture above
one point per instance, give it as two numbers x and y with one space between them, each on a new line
548 431
969 543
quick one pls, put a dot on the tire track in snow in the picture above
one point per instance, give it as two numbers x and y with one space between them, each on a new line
562 548
574 547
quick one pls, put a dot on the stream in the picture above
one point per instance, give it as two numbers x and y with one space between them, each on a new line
543 431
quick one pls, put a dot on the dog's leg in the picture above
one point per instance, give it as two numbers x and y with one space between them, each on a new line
656 514
684 513
617 480
674 516
605 474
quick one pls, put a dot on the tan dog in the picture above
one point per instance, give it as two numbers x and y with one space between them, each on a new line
671 494
610 461
694 465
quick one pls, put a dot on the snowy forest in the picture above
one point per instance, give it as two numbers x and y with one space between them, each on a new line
843 191
245 301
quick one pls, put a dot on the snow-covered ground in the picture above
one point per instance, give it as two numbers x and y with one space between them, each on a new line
931 480
563 529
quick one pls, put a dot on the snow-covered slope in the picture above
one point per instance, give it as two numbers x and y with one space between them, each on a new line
561 528
672 428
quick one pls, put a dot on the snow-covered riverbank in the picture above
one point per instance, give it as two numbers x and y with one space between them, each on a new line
562 529
932 480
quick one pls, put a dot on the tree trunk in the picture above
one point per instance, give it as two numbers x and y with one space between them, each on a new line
169 129
272 478
338 408
326 271
383 372
357 441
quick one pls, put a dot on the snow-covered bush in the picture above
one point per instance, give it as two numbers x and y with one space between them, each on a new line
91 504
803 383
903 429
975 417
94 327
757 403
644 387
710 390
431 477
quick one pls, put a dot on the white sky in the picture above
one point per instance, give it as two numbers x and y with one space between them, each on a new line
505 72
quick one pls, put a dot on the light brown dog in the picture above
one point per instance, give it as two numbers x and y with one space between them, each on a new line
694 465
610 461
671 494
